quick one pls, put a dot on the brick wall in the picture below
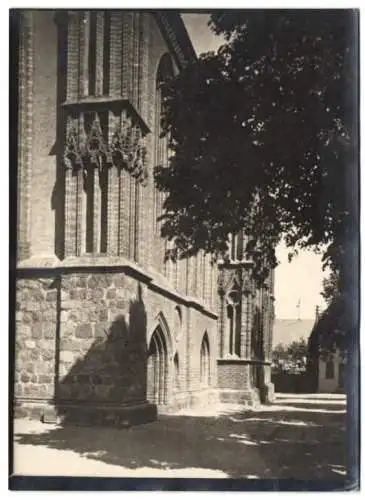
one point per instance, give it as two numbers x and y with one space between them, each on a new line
44 144
234 376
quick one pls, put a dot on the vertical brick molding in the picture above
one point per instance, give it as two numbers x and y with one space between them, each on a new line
99 66
70 211
73 56
132 216
113 210
214 284
189 349
247 323
25 132
124 183
143 102
221 324
127 54
79 214
96 209
135 84
84 40
115 65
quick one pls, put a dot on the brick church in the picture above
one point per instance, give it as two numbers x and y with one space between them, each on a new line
106 330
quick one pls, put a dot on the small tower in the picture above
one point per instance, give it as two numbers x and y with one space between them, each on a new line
245 325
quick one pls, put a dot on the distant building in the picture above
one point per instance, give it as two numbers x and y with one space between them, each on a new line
326 367
287 331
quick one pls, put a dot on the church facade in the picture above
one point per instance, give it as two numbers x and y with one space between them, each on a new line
106 330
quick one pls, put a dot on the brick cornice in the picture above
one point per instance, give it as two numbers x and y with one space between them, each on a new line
176 36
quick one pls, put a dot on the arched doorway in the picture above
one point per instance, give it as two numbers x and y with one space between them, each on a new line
157 368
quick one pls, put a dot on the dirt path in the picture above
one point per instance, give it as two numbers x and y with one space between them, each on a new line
298 437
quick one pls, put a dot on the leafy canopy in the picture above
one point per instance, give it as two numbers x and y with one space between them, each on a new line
262 137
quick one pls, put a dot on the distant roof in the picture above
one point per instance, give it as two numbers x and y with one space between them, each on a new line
288 330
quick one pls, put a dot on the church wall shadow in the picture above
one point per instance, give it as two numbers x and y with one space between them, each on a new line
112 373
295 444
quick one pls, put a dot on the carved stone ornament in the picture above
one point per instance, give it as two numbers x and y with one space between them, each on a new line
81 148
72 156
95 146
228 280
128 150
247 285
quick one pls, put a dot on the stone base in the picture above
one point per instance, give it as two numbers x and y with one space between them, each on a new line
268 393
193 399
249 397
89 413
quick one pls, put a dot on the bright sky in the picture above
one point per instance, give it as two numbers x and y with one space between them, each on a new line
298 281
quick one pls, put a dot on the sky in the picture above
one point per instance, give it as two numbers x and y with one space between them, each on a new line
298 283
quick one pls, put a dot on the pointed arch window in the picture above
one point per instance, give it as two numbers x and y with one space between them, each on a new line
205 362
234 321
164 72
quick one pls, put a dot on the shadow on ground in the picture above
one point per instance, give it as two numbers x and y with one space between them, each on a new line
272 443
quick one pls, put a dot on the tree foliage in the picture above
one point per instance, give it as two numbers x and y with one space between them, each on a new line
330 287
263 137
297 350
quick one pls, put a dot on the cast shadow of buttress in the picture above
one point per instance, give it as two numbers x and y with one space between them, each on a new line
58 192
114 369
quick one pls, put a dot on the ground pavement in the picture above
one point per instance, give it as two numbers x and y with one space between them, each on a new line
299 437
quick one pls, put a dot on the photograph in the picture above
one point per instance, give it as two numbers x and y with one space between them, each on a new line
184 267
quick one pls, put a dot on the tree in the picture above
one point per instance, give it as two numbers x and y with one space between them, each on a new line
279 352
263 137
298 349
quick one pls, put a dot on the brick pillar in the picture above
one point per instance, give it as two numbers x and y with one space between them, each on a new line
25 132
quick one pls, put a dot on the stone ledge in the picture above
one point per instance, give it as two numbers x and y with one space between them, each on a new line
248 397
89 263
242 361
86 414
